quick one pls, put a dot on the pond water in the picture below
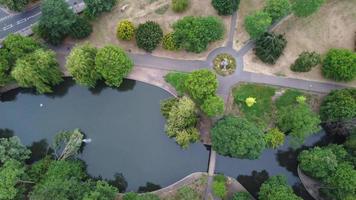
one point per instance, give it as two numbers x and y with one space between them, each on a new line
125 125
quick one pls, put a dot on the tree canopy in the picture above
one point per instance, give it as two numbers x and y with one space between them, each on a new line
269 47
113 64
257 23
277 8
201 84
12 149
237 137
148 36
102 191
277 188
16 5
10 175
340 65
213 106
225 7
95 7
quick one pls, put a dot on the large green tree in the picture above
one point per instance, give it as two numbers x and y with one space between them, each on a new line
237 137
201 84
340 65
95 7
195 33
113 64
257 23
277 188
39 70
12 149
299 121
225 7
56 21
16 5
11 174
81 65
304 8
277 8
102 191
269 47
213 106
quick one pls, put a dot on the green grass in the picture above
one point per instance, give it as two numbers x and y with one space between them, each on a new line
289 98
177 79
261 111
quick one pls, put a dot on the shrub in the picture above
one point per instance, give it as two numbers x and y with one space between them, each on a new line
148 36
95 7
276 188
5 67
169 43
340 65
125 30
237 137
269 47
230 68
80 29
15 5
304 8
213 106
177 80
306 61
39 70
180 5
195 33
241 196
277 8
201 84
219 186
274 138
166 106
81 65
102 190
187 193
225 7
113 64
257 23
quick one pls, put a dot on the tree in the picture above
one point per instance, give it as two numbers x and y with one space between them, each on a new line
81 28
5 67
113 64
276 188
269 47
10 175
277 9
39 70
201 84
102 191
237 137
180 5
125 30
342 183
148 36
306 61
12 149
213 106
169 43
225 7
16 5
63 180
187 193
95 7
81 65
195 33
241 196
56 21
166 106
257 23
304 8
299 121
181 122
66 144
339 65
274 138
131 196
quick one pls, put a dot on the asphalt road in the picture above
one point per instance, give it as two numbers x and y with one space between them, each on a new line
13 23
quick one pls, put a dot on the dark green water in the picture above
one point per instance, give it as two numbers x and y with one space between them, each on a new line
125 125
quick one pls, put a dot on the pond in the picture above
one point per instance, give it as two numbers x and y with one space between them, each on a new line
125 125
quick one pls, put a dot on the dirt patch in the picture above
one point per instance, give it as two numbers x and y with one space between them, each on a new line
246 7
333 26
139 11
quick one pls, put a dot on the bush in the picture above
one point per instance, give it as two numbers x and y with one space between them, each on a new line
102 190
166 106
169 43
269 47
277 188
306 61
257 23
237 137
304 8
219 186
213 106
195 33
15 5
274 138
277 8
5 67
148 36
177 80
113 64
340 65
201 84
226 7
241 196
125 30
39 70
81 65
187 193
95 7
80 29
180 5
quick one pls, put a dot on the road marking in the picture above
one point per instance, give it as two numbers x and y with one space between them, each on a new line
7 27
21 21
28 18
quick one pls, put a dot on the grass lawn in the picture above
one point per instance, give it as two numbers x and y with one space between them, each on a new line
177 79
261 111
289 98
